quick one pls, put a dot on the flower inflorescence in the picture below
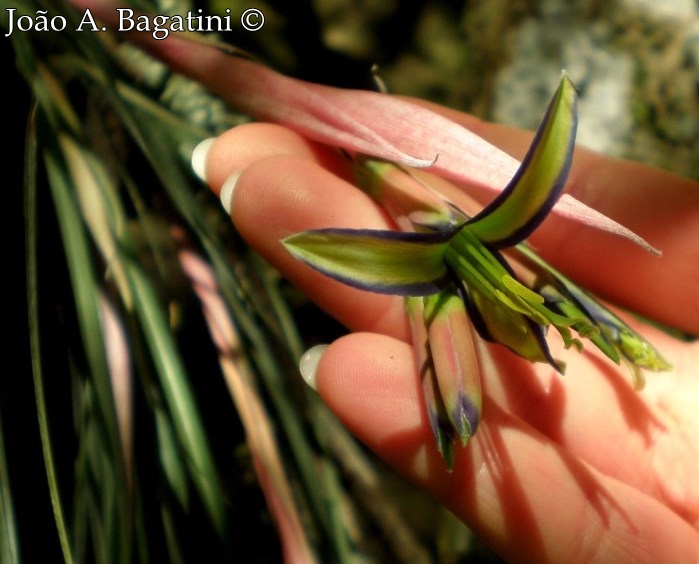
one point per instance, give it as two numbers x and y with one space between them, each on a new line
460 289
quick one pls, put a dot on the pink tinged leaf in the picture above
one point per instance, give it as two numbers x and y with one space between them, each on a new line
572 209
451 338
121 376
360 121
260 434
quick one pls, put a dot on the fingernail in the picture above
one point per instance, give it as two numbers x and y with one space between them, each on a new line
199 157
308 365
227 190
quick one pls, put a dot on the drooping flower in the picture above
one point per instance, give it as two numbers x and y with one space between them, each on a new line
451 266
457 280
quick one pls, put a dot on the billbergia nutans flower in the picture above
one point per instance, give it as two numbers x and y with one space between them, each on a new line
467 279
460 287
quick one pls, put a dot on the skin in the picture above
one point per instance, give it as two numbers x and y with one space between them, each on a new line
581 468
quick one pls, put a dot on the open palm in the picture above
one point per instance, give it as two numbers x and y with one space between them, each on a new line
578 468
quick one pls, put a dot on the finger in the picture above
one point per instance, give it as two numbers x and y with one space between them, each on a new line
510 483
238 148
281 196
285 188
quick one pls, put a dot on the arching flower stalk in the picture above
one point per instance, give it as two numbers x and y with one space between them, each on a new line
460 288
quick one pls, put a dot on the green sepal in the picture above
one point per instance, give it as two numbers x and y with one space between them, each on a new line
436 410
453 349
386 262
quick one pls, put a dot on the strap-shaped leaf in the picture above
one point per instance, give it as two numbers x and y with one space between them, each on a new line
533 191
385 262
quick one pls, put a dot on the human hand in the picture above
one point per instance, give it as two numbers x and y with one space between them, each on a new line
574 468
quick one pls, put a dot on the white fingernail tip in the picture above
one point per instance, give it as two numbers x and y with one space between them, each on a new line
308 365
199 157
227 189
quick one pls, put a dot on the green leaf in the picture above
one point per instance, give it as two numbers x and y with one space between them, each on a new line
386 262
9 541
533 191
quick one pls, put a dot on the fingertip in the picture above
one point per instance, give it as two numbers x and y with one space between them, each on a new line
308 365
200 156
273 197
283 195
244 145
227 192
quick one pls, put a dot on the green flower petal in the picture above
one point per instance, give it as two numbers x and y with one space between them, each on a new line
533 191
386 262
